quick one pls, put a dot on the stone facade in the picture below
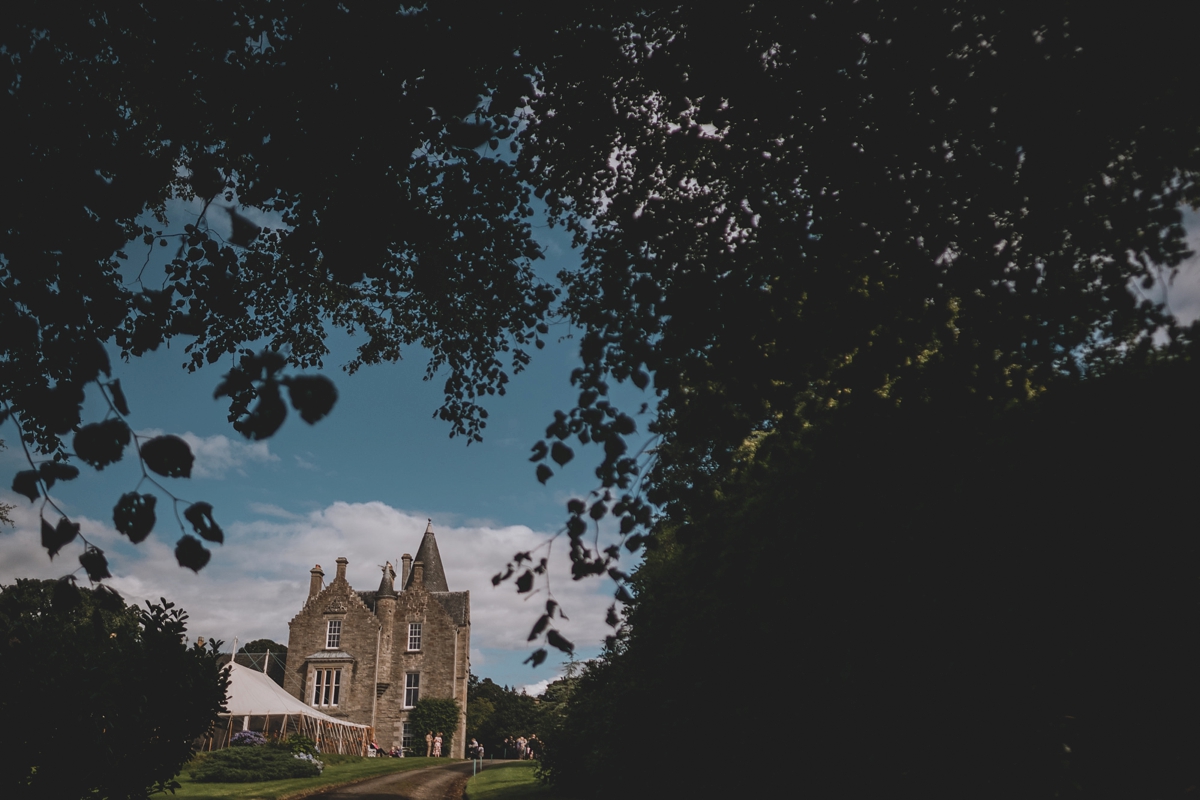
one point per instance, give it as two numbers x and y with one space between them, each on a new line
366 656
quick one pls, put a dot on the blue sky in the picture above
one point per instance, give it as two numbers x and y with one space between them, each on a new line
360 484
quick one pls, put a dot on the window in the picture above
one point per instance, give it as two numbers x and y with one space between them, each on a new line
406 736
414 636
333 634
327 687
412 689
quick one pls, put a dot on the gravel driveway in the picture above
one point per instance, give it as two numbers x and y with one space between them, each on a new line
432 783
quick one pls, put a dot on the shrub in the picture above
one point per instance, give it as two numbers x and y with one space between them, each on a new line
247 764
299 744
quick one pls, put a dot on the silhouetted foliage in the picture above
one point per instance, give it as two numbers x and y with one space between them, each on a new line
105 700
382 219
953 606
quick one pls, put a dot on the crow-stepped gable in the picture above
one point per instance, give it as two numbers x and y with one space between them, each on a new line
368 656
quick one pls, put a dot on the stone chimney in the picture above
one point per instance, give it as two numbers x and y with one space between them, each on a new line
405 568
314 583
418 574
341 569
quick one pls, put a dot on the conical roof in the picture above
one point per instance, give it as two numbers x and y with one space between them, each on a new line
431 560
386 588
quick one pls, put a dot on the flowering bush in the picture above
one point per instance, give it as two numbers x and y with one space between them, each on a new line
320 765
247 739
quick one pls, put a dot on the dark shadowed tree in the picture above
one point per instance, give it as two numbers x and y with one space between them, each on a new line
107 700
265 651
384 217
508 714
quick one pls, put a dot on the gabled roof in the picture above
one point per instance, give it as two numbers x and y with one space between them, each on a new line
431 560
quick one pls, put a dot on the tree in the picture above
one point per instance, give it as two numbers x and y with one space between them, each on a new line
5 508
399 228
915 603
108 700
274 652
436 715
501 714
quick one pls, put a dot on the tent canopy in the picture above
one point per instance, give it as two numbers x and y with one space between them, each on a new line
252 693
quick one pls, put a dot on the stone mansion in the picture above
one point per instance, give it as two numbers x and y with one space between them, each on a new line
368 656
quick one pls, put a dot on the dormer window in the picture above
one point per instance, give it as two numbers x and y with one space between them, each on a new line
333 634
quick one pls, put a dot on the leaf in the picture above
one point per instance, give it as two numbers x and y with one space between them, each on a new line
561 453
556 639
118 397
312 395
49 540
102 443
611 617
54 538
133 515
623 595
243 230
169 456
26 482
539 452
640 379
200 515
576 506
108 599
538 627
60 407
94 563
599 509
525 582
544 473
537 657
266 416
54 470
624 424
191 554
576 527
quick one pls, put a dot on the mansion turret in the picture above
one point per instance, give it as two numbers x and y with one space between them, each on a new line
367 657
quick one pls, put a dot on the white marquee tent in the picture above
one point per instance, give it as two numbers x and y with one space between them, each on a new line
257 703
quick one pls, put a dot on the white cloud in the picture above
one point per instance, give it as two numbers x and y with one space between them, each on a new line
258 580
535 689
272 510
304 464
217 455
1183 293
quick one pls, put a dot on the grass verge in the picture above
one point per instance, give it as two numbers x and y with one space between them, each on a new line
512 780
339 770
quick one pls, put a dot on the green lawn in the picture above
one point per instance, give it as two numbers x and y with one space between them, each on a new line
338 770
512 780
